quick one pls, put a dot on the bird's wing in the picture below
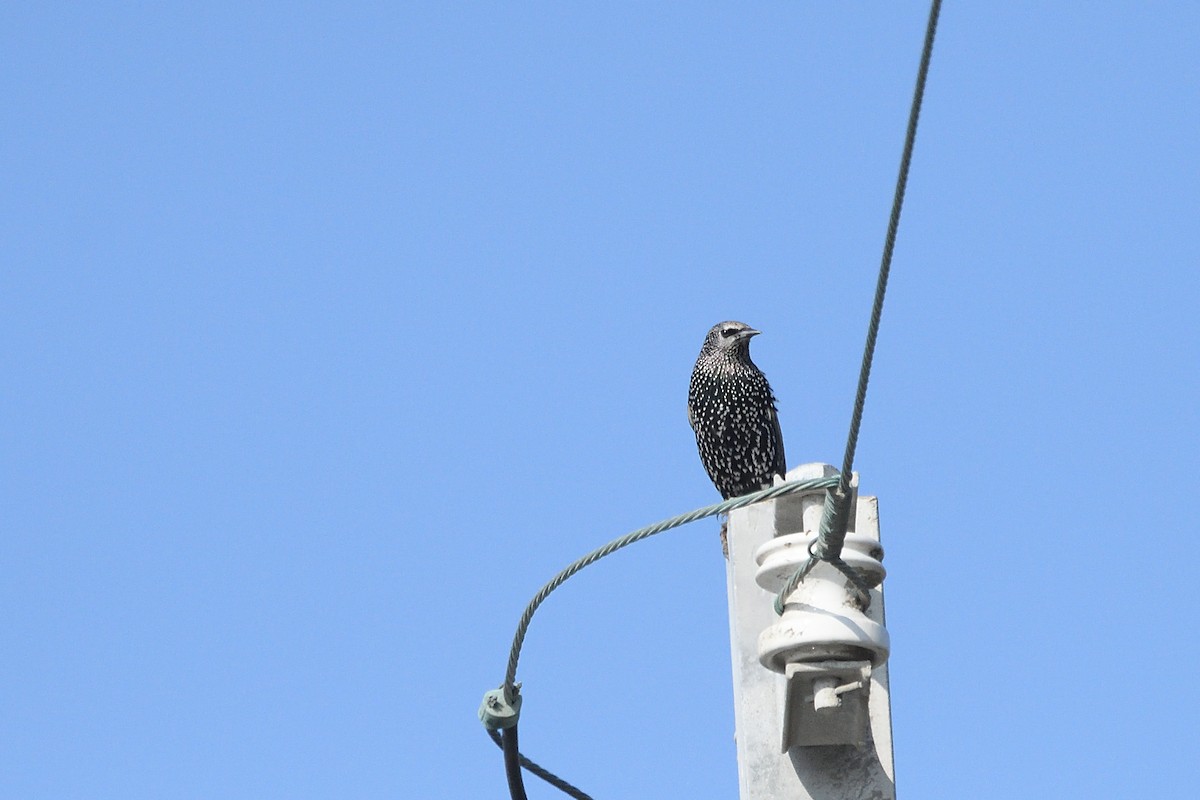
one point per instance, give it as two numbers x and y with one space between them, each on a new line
692 417
780 458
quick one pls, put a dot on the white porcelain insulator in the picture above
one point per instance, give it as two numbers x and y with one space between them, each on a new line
822 619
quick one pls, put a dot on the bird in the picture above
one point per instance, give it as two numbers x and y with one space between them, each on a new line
732 411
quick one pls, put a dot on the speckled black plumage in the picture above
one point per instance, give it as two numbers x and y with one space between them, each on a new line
732 410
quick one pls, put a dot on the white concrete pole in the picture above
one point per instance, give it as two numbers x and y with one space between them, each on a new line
816 724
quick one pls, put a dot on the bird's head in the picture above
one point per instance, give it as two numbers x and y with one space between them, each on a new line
729 337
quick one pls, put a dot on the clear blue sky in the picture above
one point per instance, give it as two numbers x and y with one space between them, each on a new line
332 331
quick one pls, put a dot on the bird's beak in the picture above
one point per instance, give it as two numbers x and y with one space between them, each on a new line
746 334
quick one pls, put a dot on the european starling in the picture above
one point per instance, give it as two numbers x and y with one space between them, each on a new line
732 410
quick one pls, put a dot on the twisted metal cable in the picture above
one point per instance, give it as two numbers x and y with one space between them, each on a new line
889 245
791 487
832 536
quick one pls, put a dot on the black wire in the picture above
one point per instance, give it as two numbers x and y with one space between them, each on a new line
512 764
547 776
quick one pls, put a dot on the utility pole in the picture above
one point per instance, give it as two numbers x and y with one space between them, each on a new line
812 712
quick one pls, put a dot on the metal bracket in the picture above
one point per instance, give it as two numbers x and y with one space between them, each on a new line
827 702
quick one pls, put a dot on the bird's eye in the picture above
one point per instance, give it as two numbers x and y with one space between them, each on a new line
727 332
